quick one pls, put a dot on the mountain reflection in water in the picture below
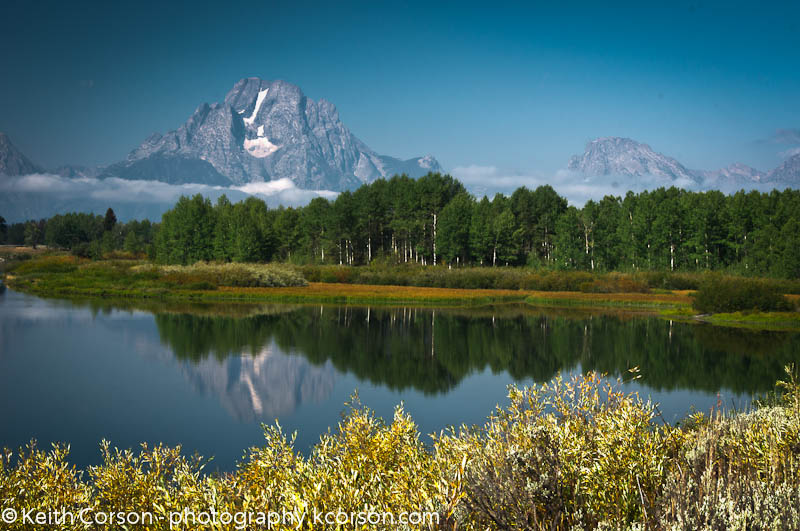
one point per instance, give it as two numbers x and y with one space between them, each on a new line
244 361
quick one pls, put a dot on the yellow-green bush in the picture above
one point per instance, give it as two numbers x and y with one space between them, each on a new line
577 454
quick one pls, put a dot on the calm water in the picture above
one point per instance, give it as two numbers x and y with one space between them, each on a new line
207 377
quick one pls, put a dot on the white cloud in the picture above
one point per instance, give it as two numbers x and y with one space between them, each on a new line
113 189
283 192
576 187
42 195
154 191
489 180
36 182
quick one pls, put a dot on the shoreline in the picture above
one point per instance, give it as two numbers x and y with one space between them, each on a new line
69 278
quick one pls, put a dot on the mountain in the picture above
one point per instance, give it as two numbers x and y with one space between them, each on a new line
787 173
73 171
628 158
735 175
642 167
264 130
168 168
12 161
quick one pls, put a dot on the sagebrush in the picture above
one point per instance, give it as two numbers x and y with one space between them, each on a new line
578 454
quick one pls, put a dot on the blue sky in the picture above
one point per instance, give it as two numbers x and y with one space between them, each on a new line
518 86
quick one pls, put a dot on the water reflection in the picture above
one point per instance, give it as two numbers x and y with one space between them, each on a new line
205 375
434 350
261 386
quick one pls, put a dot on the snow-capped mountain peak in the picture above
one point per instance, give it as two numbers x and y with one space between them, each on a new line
266 130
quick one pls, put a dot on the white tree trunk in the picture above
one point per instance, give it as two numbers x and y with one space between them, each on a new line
434 239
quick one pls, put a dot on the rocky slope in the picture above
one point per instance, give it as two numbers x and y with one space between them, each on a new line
638 164
787 173
628 158
12 161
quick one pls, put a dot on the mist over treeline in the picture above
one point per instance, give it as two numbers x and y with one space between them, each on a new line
433 220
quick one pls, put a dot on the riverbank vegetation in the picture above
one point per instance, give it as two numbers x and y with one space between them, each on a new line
65 275
62 275
725 294
563 455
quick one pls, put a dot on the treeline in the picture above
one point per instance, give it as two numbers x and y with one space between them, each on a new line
433 220
86 235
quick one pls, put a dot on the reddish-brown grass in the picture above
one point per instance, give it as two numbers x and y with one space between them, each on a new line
363 291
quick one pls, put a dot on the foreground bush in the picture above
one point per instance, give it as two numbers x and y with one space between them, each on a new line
727 294
564 455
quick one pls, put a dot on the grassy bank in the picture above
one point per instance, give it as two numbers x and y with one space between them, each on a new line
580 454
66 276
526 279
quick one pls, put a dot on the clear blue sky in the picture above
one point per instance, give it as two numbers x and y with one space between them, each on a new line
518 86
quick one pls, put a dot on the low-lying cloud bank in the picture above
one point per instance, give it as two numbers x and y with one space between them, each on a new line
38 196
43 195
577 187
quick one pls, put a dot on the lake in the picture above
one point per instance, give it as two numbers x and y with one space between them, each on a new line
208 376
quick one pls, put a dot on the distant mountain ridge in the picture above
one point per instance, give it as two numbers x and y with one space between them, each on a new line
626 157
617 156
12 161
788 172
264 130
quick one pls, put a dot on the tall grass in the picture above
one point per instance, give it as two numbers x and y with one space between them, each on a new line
229 274
64 275
522 278
579 454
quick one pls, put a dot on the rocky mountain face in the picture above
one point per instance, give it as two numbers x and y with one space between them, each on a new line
736 174
12 161
628 158
264 130
787 173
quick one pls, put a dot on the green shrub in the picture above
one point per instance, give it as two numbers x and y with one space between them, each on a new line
47 264
82 250
730 294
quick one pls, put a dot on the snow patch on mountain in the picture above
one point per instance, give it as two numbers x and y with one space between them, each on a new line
259 100
260 147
